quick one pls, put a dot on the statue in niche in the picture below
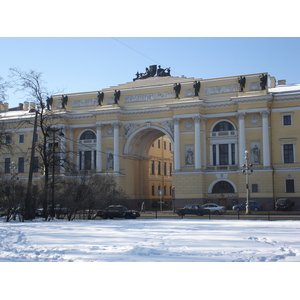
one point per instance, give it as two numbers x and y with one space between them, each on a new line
196 87
263 81
189 158
64 101
49 102
100 97
177 88
242 82
117 96
256 154
110 161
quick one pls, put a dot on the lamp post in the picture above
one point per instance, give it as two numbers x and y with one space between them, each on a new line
247 171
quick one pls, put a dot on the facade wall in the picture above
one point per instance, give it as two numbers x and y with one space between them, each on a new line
207 158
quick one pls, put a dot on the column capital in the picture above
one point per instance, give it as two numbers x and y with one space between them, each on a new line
241 116
197 118
265 113
99 126
116 124
176 121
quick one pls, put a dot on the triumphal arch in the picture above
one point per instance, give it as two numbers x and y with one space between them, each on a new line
204 125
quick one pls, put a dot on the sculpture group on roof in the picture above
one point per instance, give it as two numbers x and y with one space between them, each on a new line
153 71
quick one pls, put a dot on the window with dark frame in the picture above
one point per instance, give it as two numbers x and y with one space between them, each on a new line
288 153
287 120
289 186
254 188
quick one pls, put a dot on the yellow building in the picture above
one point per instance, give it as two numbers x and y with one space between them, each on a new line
206 125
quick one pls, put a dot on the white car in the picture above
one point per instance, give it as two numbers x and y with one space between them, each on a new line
214 208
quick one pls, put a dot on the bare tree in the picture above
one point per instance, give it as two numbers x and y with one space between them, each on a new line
32 84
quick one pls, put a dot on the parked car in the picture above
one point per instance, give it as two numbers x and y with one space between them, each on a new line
283 204
191 209
213 208
117 211
253 206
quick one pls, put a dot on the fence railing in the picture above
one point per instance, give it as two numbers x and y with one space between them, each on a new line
229 215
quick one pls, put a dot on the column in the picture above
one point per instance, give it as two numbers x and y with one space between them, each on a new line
204 142
62 151
176 145
71 145
242 138
116 148
197 144
265 135
99 148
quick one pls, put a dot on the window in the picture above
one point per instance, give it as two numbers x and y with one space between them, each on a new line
289 186
170 146
35 164
21 165
158 144
165 168
171 166
8 139
153 190
254 188
287 120
152 167
165 190
165 145
222 187
88 135
21 139
159 168
223 126
288 153
7 165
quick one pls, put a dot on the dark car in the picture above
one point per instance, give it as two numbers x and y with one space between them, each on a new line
253 206
283 204
191 209
117 211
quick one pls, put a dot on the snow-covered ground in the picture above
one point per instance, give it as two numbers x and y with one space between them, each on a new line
150 241
185 252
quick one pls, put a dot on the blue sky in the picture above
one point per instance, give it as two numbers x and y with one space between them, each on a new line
71 65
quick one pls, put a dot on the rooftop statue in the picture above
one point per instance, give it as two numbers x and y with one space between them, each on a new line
263 81
152 71
64 101
197 86
100 97
242 82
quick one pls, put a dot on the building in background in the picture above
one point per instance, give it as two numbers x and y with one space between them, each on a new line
203 126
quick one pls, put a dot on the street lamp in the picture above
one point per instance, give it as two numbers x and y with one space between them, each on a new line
247 171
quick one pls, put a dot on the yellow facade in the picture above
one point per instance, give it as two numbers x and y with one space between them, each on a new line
206 136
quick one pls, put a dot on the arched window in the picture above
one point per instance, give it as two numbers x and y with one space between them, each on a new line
222 187
88 135
223 126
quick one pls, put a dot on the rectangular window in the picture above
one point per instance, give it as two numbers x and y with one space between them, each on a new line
165 168
288 153
153 190
21 165
170 146
158 144
223 152
214 155
289 186
7 165
159 168
165 190
87 160
21 139
254 188
152 167
287 120
165 145
171 166
35 164
233 154
8 139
